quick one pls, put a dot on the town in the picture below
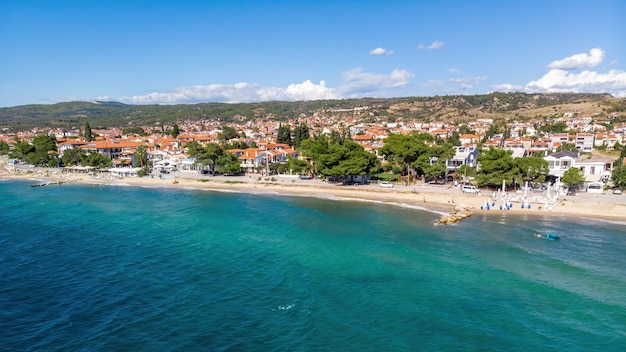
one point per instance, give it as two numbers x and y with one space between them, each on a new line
584 147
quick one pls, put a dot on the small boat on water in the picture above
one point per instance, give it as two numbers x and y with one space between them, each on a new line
548 236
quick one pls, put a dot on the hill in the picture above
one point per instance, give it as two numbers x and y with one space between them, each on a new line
454 108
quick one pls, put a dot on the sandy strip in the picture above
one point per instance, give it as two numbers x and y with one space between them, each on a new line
435 198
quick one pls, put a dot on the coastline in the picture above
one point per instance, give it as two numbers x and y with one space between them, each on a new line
434 198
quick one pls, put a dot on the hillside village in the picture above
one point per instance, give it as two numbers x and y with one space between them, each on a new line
587 131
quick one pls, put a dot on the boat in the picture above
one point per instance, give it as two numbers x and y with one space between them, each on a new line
548 236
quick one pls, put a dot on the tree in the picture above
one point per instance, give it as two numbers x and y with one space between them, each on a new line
347 160
300 133
141 157
336 137
314 149
88 134
531 168
618 176
73 156
497 165
4 148
209 155
284 135
228 133
573 176
228 163
466 170
97 160
404 150
21 149
41 152
294 165
441 153
175 130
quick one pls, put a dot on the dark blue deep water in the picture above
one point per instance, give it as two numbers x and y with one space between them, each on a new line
103 268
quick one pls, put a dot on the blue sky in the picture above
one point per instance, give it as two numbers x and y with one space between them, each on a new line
166 52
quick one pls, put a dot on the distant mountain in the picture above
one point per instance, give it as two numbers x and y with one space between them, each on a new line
453 108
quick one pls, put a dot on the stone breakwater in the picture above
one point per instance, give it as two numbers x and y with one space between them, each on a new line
458 213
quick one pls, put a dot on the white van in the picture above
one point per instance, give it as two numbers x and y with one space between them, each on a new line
469 189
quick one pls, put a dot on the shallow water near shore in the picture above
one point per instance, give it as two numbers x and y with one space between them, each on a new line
128 268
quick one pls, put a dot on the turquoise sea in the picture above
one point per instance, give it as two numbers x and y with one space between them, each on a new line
113 268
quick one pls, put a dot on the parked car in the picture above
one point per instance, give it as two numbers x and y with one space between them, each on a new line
617 191
571 191
469 189
385 184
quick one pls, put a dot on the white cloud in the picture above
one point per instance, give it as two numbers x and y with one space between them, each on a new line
466 83
434 46
595 56
356 84
562 79
506 87
612 82
381 51
233 93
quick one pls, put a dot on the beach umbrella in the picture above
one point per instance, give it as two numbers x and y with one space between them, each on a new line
525 189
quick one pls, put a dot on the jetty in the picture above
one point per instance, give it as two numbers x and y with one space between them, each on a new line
458 213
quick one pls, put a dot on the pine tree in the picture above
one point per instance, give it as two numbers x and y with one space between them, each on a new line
88 134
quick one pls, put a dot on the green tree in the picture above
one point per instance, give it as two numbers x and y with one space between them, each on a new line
567 146
228 133
573 176
300 133
21 149
294 165
405 150
435 170
466 171
4 148
175 130
531 168
455 138
618 176
43 152
497 165
88 134
284 134
208 155
347 160
336 137
557 127
314 148
441 153
73 156
97 160
228 163
141 157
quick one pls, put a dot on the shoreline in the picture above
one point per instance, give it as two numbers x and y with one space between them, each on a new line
437 199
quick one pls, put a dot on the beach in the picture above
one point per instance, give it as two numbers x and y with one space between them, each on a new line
439 198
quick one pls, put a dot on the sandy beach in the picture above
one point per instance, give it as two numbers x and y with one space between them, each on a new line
439 198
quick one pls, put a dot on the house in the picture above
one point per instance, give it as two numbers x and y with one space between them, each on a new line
462 156
111 149
584 142
559 162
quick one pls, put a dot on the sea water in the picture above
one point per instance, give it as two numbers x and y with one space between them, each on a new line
109 268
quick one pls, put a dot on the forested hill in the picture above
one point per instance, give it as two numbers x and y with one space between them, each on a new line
453 108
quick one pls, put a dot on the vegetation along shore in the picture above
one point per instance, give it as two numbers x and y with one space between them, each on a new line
514 153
